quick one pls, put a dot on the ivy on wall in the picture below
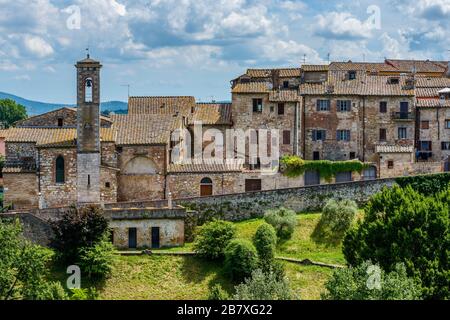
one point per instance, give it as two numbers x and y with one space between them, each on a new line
294 166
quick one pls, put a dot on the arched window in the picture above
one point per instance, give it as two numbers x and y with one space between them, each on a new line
60 172
88 90
206 187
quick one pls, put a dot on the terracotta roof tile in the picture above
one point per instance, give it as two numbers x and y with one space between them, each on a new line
160 105
434 82
284 96
284 72
236 166
422 66
315 67
212 113
362 66
144 129
252 87
432 103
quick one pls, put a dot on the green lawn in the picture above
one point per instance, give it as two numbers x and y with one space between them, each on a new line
188 277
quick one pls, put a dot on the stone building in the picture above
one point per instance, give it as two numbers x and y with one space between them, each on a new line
380 113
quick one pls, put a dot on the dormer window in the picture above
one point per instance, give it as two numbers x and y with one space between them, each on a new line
60 122
351 75
286 84
393 80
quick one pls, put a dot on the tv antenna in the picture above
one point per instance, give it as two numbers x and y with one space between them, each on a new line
128 87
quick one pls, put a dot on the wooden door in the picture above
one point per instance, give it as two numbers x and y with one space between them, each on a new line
155 238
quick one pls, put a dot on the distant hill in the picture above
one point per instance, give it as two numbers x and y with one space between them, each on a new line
36 107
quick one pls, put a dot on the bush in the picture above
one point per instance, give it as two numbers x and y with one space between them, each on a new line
283 220
84 294
213 238
265 241
216 293
97 261
338 216
402 225
78 228
369 282
263 286
426 184
240 259
51 291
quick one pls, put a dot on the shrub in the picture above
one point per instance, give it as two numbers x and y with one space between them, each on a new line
216 293
283 220
213 238
401 225
426 184
240 259
265 241
338 216
263 286
369 282
51 291
84 294
97 261
78 228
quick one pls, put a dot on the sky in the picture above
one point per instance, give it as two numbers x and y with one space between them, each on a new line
195 47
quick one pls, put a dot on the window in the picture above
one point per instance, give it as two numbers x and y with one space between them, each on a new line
447 124
343 135
257 105
107 185
60 172
391 164
285 84
344 105
60 122
286 137
383 107
206 187
445 145
253 185
393 80
352 155
383 134
370 173
281 108
316 155
351 75
319 135
323 105
425 124
425 146
402 133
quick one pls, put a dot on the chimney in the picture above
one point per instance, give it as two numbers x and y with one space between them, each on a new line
276 79
448 70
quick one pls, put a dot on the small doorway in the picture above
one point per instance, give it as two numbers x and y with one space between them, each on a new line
206 187
447 165
156 238
132 238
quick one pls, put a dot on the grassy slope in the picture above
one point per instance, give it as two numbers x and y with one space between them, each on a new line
168 277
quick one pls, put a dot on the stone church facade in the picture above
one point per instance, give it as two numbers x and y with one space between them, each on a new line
379 113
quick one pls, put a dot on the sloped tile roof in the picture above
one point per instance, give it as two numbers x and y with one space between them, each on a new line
252 87
212 113
394 149
57 137
235 166
144 129
362 66
284 96
427 92
432 103
432 82
160 105
284 72
422 66
315 67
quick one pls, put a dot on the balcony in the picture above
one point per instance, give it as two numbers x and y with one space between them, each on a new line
403 116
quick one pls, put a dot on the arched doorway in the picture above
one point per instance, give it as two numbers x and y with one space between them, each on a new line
206 187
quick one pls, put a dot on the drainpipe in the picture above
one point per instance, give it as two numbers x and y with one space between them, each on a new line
303 127
364 130
296 124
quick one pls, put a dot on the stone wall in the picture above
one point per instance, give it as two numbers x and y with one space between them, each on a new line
21 189
437 132
34 229
243 206
58 194
142 173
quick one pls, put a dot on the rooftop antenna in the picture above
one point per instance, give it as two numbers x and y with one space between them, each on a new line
128 86
304 58
328 57
87 53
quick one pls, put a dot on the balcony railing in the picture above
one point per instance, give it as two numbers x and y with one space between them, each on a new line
403 116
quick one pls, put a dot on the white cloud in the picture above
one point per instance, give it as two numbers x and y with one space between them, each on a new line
290 51
38 46
23 77
342 25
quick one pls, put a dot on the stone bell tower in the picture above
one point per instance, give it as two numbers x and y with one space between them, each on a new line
88 131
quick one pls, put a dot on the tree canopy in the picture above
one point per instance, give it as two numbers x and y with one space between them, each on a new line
10 112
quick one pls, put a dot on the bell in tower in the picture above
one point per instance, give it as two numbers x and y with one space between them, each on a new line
88 130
